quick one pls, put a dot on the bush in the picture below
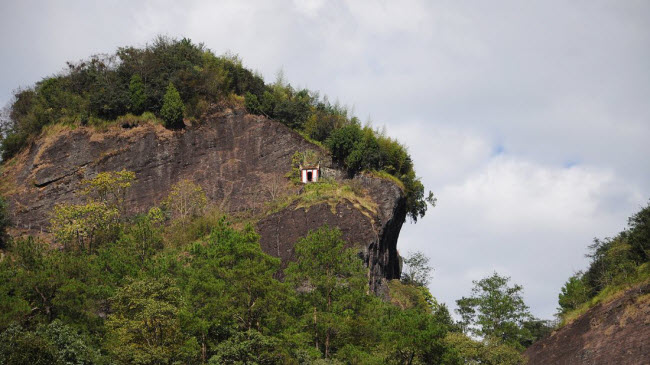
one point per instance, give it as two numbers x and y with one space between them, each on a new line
138 97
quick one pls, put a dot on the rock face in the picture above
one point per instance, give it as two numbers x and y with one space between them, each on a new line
239 160
612 333
376 234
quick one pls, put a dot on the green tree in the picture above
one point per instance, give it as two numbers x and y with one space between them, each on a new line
137 94
19 346
416 269
639 235
185 201
83 226
495 310
573 294
342 141
109 188
173 108
230 289
250 347
461 350
144 327
326 275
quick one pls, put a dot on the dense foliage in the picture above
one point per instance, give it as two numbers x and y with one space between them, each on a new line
143 293
174 79
214 300
615 264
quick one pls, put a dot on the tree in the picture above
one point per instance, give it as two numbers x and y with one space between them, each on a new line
109 188
416 269
248 299
249 347
461 350
186 200
173 108
573 294
639 235
83 226
342 141
326 275
495 310
144 327
137 94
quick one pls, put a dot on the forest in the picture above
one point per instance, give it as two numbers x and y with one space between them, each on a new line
183 285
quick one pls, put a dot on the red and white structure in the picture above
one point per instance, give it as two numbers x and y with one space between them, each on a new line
309 174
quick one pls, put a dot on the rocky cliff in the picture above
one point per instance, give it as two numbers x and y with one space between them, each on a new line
615 332
239 160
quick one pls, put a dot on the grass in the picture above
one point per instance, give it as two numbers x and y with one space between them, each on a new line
331 192
386 176
326 191
609 293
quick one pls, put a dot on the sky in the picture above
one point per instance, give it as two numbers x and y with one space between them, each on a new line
529 121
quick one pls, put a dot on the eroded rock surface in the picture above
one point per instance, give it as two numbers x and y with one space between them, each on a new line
240 161
617 332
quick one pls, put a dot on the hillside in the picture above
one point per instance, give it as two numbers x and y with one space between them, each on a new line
157 215
240 161
614 332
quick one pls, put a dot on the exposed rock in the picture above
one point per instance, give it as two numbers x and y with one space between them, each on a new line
377 235
611 333
240 160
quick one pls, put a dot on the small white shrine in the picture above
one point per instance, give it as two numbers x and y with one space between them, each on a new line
309 174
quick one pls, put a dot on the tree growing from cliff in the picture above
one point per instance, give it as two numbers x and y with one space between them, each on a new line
173 108
109 188
84 226
495 310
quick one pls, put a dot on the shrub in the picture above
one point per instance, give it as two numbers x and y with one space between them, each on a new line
173 108
137 94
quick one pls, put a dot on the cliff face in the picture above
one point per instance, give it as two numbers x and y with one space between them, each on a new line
239 160
611 333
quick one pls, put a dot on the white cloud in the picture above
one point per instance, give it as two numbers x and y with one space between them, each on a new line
522 219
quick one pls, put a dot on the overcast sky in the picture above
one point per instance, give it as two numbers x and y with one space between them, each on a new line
530 121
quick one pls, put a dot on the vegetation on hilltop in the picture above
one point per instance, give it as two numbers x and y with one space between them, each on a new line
175 79
616 264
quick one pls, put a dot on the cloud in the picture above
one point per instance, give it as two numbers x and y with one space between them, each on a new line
522 219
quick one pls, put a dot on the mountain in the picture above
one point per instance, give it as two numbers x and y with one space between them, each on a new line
240 160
